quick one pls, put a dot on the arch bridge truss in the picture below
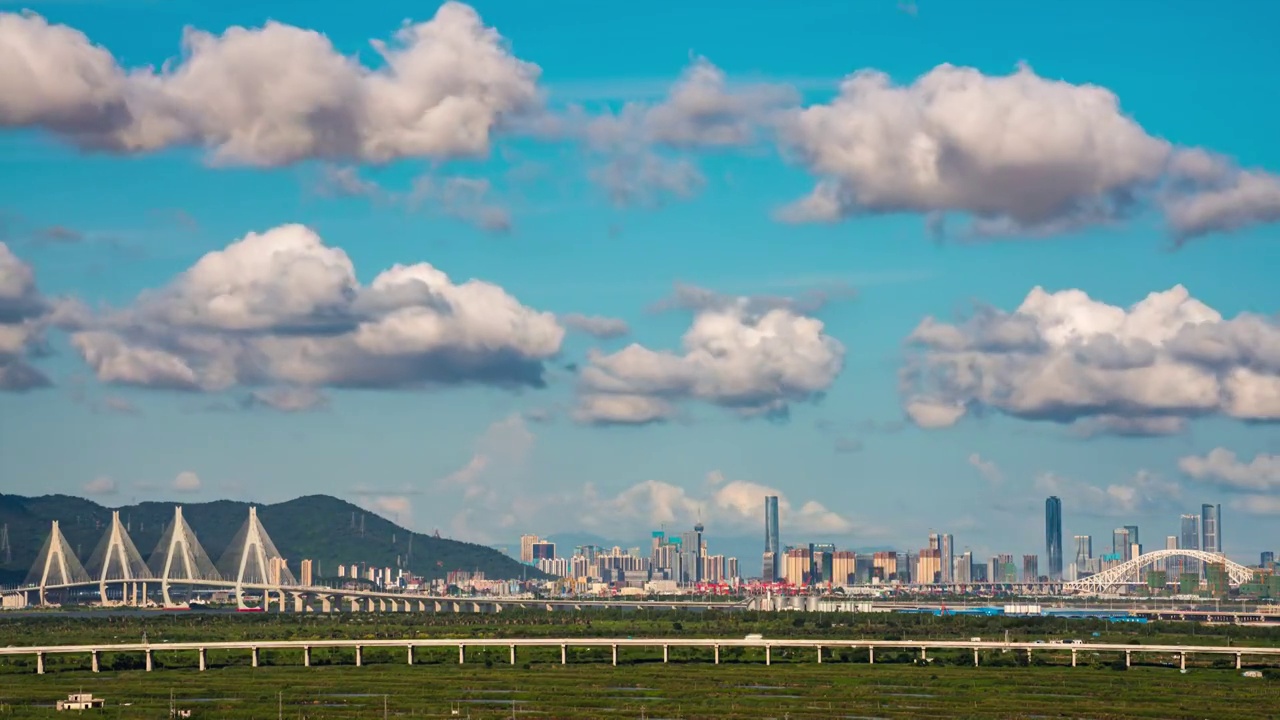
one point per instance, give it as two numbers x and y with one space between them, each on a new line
1130 572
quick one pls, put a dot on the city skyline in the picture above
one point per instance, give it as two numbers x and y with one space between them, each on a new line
601 277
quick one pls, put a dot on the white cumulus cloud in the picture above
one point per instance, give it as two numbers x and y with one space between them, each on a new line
274 94
281 308
755 361
1066 357
1221 467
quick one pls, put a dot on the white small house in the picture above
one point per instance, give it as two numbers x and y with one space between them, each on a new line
81 701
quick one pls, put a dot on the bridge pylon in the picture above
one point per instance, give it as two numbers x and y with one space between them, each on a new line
56 564
252 559
116 559
179 556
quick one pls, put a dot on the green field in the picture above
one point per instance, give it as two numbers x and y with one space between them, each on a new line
652 690
690 686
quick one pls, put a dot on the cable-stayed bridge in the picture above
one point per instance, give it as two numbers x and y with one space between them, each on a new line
251 566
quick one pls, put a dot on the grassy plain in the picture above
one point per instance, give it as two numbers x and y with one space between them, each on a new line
488 686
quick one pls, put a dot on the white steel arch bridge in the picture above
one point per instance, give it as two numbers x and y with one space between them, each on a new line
1130 572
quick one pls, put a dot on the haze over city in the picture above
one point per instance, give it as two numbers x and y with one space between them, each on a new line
511 268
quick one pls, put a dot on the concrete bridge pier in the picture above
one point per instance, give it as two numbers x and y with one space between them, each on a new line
975 657
871 654
1238 660
306 656
254 657
204 660
39 663
1128 658
355 604
666 653
615 654
298 602
1073 658
93 660
717 654
513 654
1183 661
326 604
462 654
768 654
409 652
564 656
150 665
924 655
359 656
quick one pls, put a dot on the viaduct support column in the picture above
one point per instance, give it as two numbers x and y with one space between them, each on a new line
615 655
717 654
513 654
306 656
768 654
975 657
1073 658
819 654
462 654
254 657
204 660
149 662
409 652
924 654
1128 658
1183 661
1238 661
93 660
871 655
359 656
666 653
39 663
564 655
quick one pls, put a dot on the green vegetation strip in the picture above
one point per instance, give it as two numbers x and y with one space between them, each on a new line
654 690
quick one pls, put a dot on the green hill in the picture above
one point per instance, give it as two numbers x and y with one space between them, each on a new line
326 529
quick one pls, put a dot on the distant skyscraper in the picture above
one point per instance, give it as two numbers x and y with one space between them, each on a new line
1211 528
1190 541
1084 552
1173 566
1053 536
772 546
1268 559
1120 544
1133 534
947 558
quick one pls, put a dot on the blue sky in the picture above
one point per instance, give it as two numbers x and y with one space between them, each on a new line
649 174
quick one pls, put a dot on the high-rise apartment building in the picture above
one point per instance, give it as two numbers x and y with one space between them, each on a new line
1133 534
886 562
526 547
963 572
929 566
1030 568
844 567
305 571
1211 528
772 546
769 568
1053 536
1267 560
1172 566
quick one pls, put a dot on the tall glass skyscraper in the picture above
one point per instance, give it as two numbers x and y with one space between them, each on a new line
1190 541
771 543
1211 528
1053 536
